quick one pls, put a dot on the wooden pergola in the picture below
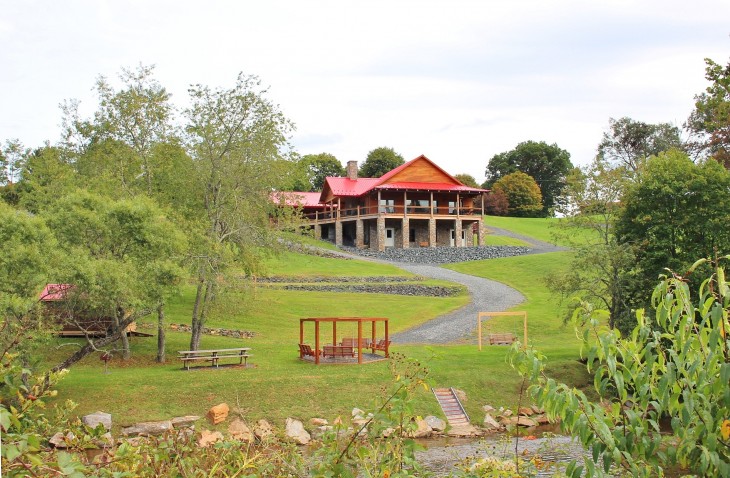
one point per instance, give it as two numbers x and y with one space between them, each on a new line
373 321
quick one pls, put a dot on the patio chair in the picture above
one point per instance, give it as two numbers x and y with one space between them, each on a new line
306 350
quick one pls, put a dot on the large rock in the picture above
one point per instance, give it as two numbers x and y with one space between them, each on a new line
263 430
435 423
423 430
218 413
148 429
207 438
357 413
94 419
59 440
318 422
525 411
519 421
240 431
488 408
490 423
187 421
295 432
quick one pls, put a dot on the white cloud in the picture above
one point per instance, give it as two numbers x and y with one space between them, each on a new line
458 81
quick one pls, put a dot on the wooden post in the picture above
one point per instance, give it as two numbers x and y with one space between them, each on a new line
316 342
525 332
479 330
301 336
359 341
372 338
334 332
387 345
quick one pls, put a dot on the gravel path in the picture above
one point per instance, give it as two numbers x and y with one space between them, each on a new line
486 295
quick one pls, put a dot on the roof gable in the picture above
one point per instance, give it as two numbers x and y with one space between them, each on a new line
418 170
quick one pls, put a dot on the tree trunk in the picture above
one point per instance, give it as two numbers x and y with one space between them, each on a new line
196 323
93 345
118 328
161 332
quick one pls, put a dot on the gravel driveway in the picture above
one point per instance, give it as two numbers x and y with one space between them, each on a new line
486 295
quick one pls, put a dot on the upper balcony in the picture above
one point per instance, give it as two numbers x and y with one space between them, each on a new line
391 212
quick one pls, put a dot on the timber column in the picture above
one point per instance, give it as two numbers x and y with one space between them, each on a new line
457 233
359 234
405 233
381 233
432 232
481 233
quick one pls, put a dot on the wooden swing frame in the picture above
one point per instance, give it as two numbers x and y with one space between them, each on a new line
522 314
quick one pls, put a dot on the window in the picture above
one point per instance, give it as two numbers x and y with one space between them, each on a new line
387 206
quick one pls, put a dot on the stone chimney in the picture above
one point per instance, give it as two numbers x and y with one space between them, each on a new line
352 170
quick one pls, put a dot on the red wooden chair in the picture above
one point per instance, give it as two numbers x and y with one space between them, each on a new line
306 350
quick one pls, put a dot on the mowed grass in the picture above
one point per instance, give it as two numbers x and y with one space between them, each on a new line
526 274
279 385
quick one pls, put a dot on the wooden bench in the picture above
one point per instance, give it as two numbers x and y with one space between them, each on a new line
423 244
214 356
502 339
337 351
352 342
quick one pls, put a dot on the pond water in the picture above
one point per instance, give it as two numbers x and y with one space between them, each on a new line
555 451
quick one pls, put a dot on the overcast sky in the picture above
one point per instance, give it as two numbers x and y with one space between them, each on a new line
458 81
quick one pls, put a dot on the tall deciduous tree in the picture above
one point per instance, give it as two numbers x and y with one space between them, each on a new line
139 115
546 163
628 143
379 161
236 138
599 264
710 120
522 193
675 212
317 167
467 180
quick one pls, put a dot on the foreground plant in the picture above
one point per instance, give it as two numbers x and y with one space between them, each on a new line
675 365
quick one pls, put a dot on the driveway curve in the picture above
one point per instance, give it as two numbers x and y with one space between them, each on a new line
486 295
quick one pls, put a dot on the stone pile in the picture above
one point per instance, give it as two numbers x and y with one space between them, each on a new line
395 289
441 255
238 334
527 417
338 279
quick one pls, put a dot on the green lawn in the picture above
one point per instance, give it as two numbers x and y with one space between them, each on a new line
279 385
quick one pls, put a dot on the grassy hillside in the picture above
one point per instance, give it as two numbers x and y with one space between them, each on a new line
280 385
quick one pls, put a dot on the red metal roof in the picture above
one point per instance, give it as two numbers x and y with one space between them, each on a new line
52 292
350 187
297 199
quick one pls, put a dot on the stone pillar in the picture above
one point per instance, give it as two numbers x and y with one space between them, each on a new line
432 232
406 233
381 233
338 233
317 231
457 233
481 233
359 234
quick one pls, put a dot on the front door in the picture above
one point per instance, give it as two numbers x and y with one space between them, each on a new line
389 237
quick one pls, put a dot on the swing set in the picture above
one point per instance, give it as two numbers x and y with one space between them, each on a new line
350 347
501 338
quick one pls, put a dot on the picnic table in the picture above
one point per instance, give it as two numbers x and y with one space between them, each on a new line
214 356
